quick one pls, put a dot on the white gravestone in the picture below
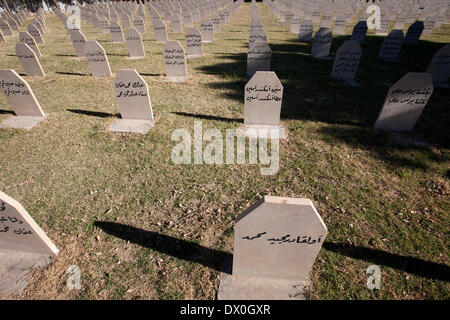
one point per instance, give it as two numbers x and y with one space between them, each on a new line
262 106
139 24
175 62
116 32
346 62
414 32
276 242
177 27
22 100
194 46
207 30
134 43
78 42
134 103
25 37
217 25
5 28
97 59
439 67
160 30
29 60
23 246
359 32
339 25
306 31
258 58
295 24
392 45
405 102
35 33
322 44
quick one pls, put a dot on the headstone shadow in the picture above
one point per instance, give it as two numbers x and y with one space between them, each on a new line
416 266
94 113
207 117
174 247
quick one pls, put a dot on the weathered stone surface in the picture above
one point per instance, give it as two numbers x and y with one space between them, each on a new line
405 102
29 60
134 103
97 59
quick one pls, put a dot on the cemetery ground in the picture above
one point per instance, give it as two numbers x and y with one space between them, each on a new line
140 227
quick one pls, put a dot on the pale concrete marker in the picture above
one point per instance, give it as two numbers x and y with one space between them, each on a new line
405 102
194 46
276 242
78 42
134 103
207 30
160 30
23 246
135 45
439 67
259 57
139 24
21 99
175 62
346 62
29 60
414 32
322 44
392 45
116 32
97 59
262 107
306 31
35 33
25 37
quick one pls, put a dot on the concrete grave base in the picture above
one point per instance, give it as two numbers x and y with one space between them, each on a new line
262 131
249 288
14 268
175 79
132 125
21 122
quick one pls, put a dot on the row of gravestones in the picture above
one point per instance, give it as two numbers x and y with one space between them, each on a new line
176 70
342 13
288 228
403 105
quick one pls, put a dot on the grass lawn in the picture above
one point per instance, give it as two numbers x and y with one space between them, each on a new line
140 227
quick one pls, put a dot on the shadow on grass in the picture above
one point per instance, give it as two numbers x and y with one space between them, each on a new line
416 266
394 148
73 74
66 55
174 247
150 74
6 112
310 94
94 113
207 117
